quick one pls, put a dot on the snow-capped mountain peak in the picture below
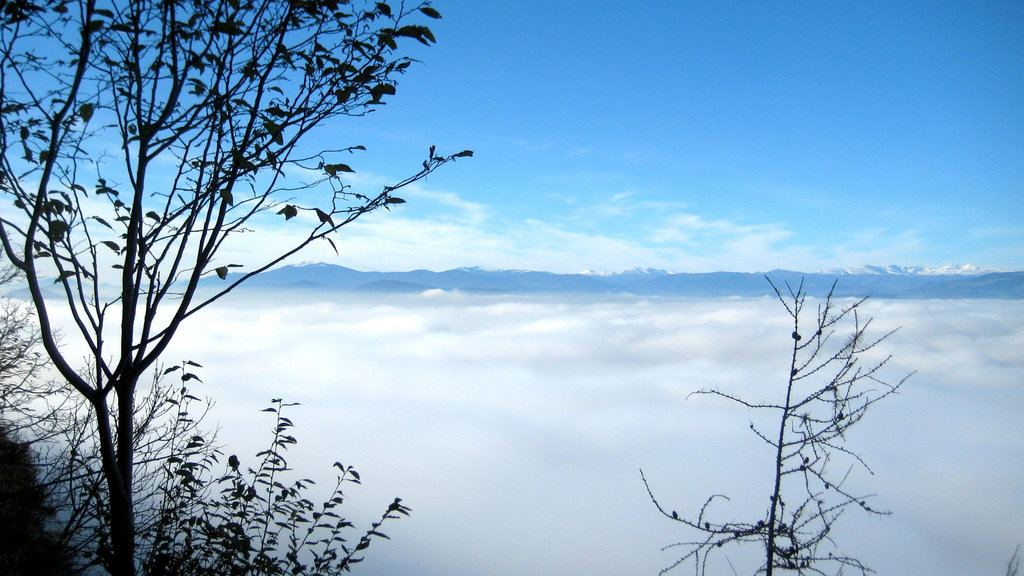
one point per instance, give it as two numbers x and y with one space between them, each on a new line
635 271
957 269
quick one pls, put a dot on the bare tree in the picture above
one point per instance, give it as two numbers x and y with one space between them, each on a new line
30 542
832 382
21 362
138 140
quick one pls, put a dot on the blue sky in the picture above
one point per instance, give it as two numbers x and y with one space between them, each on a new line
703 136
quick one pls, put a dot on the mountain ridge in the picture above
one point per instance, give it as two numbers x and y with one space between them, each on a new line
877 281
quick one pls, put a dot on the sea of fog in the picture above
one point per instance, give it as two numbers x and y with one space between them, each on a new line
515 427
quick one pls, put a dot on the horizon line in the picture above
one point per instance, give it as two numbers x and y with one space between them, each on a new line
949 269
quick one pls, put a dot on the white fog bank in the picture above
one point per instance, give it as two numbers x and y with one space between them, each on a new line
515 427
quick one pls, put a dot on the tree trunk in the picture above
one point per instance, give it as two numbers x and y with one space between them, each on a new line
118 463
783 422
122 535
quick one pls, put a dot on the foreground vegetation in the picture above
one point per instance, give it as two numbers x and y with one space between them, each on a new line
140 143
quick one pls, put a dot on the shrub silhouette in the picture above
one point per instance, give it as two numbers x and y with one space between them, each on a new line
27 544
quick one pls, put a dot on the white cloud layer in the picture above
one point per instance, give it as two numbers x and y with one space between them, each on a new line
515 428
438 230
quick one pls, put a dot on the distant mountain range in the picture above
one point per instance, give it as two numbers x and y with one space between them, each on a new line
874 281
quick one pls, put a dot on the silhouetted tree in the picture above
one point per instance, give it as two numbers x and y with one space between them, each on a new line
21 362
139 140
830 386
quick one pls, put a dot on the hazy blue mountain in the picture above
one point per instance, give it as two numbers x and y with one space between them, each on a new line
875 281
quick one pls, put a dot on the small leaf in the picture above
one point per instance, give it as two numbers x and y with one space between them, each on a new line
393 200
389 40
289 212
64 276
230 28
463 154
333 169
275 132
378 91
222 272
421 33
198 86
85 112
430 12
277 111
226 196
112 245
324 217
56 207
57 230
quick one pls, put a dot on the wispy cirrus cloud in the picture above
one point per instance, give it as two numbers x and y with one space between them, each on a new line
441 229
